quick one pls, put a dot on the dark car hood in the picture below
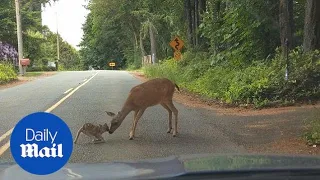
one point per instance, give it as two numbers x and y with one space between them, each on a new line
165 167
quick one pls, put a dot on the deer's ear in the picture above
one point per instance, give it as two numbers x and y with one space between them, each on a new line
110 113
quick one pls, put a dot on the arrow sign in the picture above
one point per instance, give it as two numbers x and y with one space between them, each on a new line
177 44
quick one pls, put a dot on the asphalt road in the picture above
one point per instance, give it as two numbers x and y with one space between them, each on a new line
200 131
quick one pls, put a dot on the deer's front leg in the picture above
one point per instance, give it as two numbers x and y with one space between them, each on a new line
99 139
138 116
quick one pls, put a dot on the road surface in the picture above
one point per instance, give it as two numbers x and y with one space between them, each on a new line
200 131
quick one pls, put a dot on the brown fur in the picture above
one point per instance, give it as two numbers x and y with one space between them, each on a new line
93 131
150 93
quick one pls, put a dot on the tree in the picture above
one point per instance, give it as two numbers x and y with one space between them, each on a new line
286 24
311 39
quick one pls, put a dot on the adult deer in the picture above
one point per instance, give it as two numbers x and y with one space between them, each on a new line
150 93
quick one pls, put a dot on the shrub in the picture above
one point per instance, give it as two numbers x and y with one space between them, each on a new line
7 73
312 136
261 83
39 68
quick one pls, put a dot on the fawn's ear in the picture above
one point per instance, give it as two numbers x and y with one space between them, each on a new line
110 113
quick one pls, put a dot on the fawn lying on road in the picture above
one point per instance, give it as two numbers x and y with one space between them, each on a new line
150 93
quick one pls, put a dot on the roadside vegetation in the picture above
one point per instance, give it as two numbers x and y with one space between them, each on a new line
312 136
7 73
261 84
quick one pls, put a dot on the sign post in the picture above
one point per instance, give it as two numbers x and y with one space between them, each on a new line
177 45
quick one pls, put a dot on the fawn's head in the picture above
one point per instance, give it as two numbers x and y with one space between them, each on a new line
105 127
115 122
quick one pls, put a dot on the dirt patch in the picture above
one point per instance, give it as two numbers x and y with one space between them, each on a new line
22 80
192 100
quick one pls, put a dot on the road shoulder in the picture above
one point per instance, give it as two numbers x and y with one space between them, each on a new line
26 79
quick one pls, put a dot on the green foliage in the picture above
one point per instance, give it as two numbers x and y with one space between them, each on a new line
260 83
40 68
7 73
312 136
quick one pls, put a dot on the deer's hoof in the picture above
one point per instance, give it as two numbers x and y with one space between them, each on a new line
169 131
131 138
174 134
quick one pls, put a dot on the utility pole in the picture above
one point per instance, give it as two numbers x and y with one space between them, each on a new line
58 52
58 47
19 36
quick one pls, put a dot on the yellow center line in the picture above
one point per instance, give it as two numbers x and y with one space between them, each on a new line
7 145
68 91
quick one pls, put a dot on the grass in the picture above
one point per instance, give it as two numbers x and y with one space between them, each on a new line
33 74
312 136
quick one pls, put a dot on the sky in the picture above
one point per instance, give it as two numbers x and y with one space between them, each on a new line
71 15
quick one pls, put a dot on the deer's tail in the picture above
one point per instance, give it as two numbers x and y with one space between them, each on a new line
177 87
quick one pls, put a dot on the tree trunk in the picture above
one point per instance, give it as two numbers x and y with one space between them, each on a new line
153 45
202 10
135 47
196 22
311 39
286 23
143 52
202 6
187 8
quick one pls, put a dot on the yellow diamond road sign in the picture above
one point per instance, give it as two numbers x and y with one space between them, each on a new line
177 44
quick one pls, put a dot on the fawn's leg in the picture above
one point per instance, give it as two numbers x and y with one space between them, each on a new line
140 113
99 139
78 134
170 116
175 112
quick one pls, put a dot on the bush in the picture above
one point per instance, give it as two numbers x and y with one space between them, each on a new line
260 83
313 135
7 73
39 68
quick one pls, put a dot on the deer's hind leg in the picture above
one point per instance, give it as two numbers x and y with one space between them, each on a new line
170 117
175 112
78 134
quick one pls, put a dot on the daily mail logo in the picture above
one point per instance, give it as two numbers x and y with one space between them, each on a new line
41 143
32 150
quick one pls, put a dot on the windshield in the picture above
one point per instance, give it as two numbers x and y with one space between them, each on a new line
133 80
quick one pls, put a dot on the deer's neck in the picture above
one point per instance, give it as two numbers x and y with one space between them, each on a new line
125 111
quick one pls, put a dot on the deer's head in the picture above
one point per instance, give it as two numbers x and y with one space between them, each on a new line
115 122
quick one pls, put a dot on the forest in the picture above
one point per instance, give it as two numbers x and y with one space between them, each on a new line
237 53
